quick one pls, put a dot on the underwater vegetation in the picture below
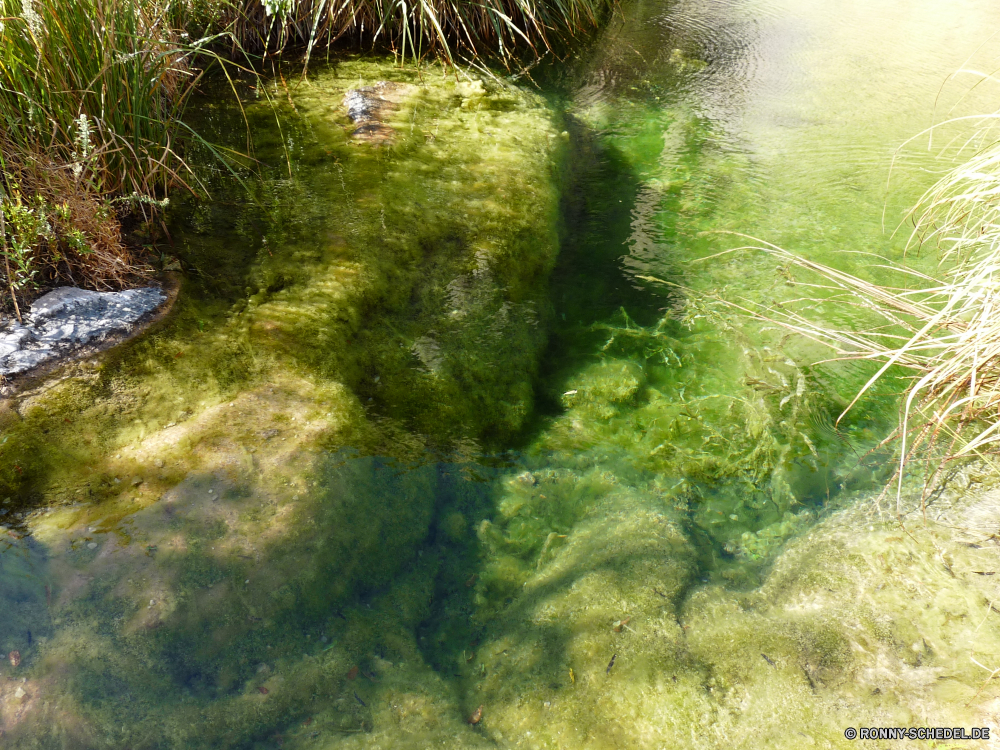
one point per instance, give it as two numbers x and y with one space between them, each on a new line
419 458
942 332
298 290
612 640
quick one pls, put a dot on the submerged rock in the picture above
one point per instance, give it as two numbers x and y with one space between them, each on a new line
453 237
368 106
446 241
611 640
67 319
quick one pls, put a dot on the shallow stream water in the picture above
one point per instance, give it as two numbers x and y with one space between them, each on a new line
446 444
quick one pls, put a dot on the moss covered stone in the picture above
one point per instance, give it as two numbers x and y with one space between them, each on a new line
212 566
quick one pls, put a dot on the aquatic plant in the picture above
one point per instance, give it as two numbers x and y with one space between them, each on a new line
90 94
450 241
252 400
943 332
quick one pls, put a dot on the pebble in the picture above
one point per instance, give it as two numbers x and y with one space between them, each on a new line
527 478
92 545
159 463
19 693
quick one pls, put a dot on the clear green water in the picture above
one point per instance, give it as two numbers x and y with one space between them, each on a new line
419 437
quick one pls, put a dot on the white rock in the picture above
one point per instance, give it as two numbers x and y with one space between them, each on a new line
68 318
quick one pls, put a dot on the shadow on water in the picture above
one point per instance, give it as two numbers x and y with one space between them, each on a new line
386 302
610 334
588 284
356 513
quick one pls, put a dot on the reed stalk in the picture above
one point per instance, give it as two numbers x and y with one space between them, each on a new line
944 332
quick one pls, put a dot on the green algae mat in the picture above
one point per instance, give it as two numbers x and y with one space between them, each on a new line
442 445
385 298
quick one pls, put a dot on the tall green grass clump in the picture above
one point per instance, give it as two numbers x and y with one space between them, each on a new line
90 91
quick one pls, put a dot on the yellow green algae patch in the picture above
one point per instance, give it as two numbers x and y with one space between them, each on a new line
738 440
447 232
666 570
205 551
413 273
608 640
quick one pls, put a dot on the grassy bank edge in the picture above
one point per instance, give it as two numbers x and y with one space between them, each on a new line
93 94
